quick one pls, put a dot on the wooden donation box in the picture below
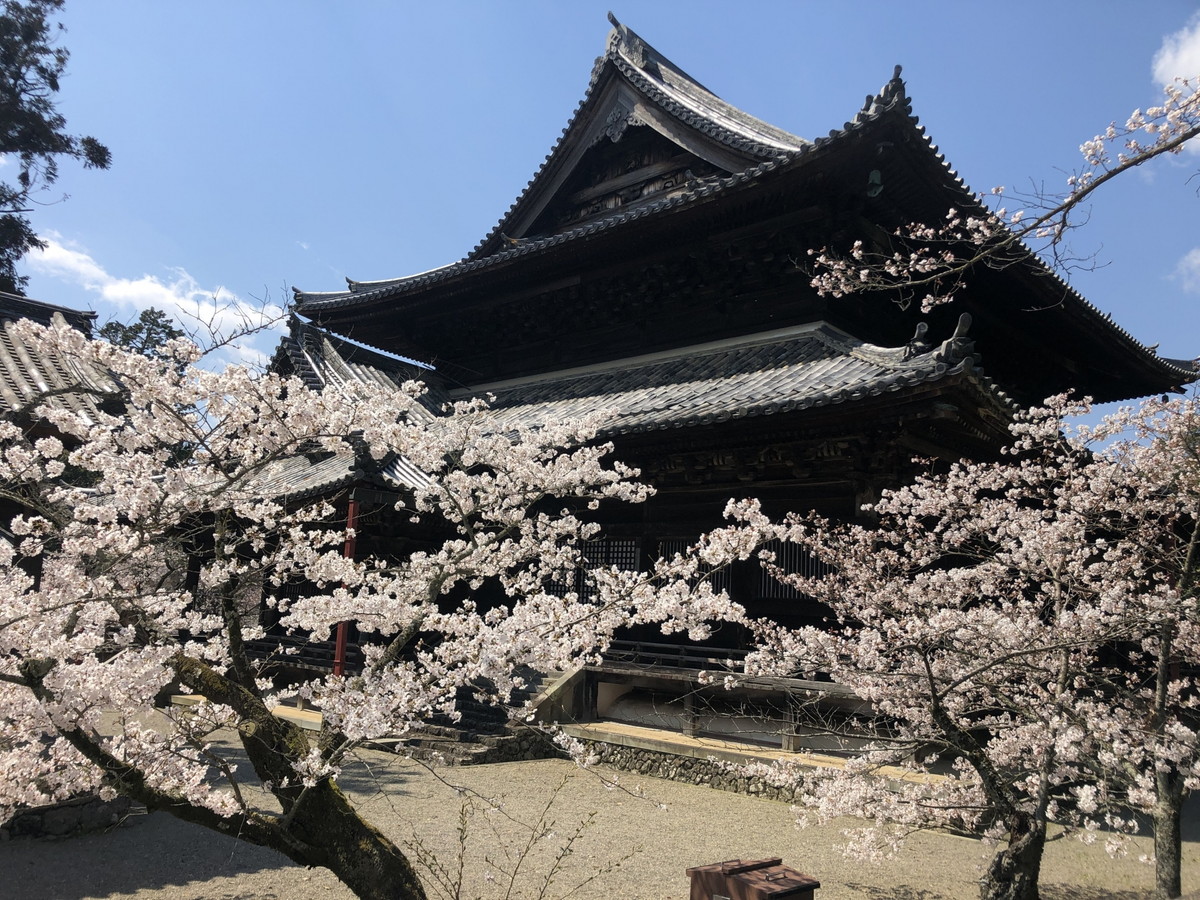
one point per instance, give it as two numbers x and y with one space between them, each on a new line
750 879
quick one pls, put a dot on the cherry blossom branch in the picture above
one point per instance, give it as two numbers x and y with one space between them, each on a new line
131 781
932 260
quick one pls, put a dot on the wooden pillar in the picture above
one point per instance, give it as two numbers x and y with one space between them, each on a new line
791 740
343 628
690 720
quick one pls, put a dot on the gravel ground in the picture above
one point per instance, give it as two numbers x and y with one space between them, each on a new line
649 830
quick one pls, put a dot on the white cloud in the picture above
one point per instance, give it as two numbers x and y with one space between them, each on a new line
1179 55
70 265
1187 272
198 309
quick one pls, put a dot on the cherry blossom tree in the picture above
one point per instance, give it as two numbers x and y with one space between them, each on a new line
1111 709
1025 634
146 536
1151 697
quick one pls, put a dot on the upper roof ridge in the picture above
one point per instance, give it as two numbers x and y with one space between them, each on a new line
665 86
624 42
686 98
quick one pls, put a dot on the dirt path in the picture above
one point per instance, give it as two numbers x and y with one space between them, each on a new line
159 857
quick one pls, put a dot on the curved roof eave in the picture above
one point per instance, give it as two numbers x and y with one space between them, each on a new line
313 302
1185 371
890 97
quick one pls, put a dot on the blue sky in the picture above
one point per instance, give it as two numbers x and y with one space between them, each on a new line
294 142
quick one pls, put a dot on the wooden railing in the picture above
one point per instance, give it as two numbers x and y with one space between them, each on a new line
647 655
675 656
289 652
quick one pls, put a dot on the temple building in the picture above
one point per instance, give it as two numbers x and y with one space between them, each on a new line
655 264
28 376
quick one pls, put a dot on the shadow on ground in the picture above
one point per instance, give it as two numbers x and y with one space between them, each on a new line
159 853
147 853
1048 892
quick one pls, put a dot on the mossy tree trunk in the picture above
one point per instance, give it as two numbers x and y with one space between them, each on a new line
319 826
1014 871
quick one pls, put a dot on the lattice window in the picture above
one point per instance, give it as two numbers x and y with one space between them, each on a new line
609 551
624 553
791 558
620 552
721 579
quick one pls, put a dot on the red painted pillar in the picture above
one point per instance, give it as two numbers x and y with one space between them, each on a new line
343 629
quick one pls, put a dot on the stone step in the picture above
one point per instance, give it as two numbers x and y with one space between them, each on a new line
440 732
452 751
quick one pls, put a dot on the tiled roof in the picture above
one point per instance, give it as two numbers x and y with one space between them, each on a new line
27 374
759 375
780 371
668 87
323 359
663 84
14 306
300 476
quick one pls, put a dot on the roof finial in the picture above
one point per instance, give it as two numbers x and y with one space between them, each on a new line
917 345
958 346
964 325
633 47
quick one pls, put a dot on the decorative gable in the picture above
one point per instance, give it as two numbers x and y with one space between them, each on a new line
645 128
628 163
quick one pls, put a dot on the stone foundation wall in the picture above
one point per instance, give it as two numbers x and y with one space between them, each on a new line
75 816
528 744
524 744
706 772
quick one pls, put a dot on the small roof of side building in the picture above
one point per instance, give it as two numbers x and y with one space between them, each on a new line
322 359
28 375
301 477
